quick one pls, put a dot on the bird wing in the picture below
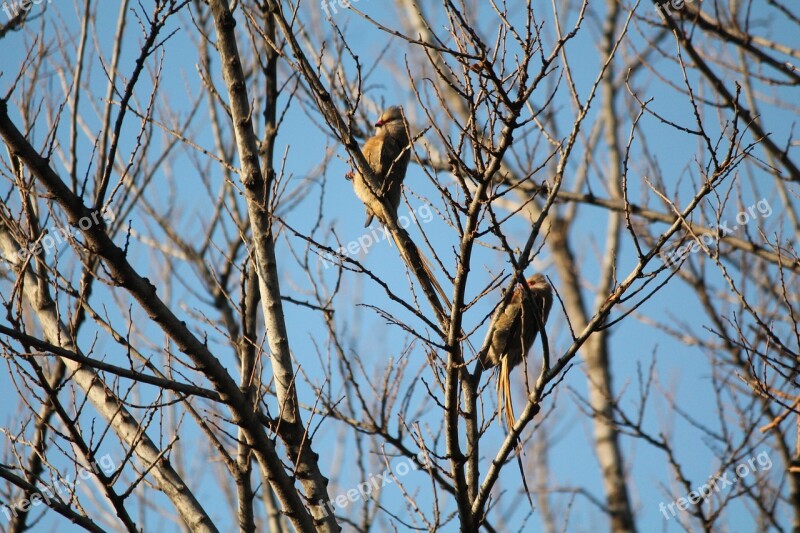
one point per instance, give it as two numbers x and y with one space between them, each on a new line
516 329
394 162
373 152
507 328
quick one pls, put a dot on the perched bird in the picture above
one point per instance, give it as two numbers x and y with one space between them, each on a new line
512 334
387 153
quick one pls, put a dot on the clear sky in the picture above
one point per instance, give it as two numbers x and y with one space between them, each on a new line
682 371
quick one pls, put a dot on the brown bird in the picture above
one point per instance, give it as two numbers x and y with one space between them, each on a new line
387 153
513 332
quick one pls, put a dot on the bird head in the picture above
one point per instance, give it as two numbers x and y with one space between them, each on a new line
538 289
541 291
538 282
391 121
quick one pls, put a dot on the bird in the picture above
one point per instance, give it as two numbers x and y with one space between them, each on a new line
513 330
388 153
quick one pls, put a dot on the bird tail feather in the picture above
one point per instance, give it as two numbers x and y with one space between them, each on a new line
504 401
506 405
427 267
426 264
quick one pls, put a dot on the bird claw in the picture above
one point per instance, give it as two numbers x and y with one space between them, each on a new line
349 176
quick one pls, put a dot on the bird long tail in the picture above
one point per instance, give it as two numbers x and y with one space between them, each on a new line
506 406
427 267
504 401
426 264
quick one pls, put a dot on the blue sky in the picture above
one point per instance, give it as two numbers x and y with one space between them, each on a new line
682 371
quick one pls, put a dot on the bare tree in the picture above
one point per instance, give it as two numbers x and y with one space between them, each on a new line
199 334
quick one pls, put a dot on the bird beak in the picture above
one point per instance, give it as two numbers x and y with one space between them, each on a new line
379 124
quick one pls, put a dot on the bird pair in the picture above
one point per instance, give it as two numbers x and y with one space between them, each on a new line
513 329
